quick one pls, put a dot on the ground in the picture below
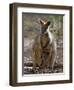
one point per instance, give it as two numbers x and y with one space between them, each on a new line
28 62
31 28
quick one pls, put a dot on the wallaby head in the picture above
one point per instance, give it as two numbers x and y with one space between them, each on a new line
44 26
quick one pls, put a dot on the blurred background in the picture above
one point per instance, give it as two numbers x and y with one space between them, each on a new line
31 29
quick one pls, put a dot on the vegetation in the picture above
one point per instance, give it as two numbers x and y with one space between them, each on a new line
32 24
31 27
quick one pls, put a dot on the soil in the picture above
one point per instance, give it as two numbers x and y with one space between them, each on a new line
28 62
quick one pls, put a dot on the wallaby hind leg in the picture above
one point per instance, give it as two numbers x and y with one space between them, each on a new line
53 63
34 68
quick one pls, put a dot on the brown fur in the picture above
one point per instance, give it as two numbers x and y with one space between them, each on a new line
43 51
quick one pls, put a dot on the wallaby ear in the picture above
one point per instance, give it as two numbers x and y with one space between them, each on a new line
48 23
41 22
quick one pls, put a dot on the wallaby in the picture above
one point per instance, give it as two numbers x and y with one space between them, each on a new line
44 48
